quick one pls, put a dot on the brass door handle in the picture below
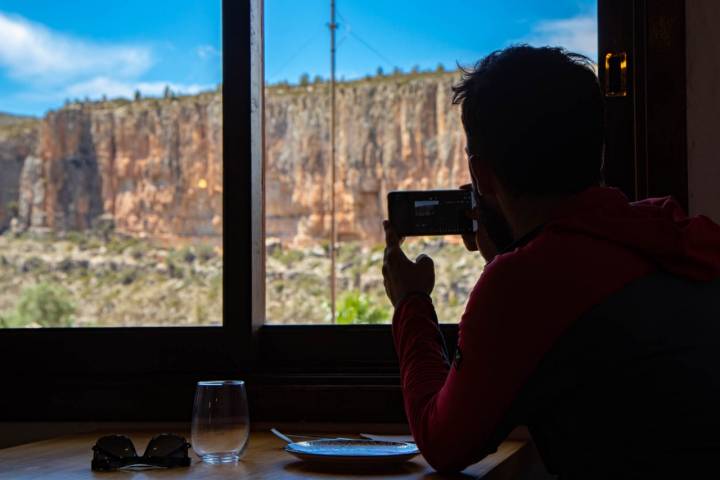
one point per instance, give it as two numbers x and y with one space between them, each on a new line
616 74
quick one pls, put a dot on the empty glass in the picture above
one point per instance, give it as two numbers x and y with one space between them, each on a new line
220 422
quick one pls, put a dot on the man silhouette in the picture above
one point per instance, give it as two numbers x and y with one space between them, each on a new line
596 321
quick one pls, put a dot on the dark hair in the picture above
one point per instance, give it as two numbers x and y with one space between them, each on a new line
536 114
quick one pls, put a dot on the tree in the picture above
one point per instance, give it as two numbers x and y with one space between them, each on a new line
42 305
317 79
138 95
356 308
397 71
380 72
304 80
168 93
415 69
440 68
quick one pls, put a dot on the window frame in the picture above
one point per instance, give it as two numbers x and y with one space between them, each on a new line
294 372
655 145
125 373
646 131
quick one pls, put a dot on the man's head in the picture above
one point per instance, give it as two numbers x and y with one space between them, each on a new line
534 122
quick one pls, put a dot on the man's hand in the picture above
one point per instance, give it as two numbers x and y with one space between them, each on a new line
401 275
478 240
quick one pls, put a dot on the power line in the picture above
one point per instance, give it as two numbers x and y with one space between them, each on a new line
349 32
372 49
364 42
298 51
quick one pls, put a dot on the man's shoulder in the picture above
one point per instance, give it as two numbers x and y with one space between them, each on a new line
507 276
541 268
536 252
550 248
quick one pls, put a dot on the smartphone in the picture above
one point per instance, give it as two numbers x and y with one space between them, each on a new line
431 212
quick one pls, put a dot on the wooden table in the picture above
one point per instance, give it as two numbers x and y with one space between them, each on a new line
69 458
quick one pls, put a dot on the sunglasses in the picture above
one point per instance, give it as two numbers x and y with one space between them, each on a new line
117 451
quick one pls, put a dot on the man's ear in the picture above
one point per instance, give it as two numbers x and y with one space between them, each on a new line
482 175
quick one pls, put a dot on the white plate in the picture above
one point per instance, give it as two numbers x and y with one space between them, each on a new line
353 451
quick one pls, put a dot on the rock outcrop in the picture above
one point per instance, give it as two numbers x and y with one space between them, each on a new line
18 137
155 166
396 132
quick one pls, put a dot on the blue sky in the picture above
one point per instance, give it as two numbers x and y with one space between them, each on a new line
405 33
51 50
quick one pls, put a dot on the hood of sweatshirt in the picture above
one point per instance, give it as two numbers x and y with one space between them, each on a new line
655 228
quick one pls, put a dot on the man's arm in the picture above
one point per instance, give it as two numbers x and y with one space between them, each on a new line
424 365
453 412
523 302
421 344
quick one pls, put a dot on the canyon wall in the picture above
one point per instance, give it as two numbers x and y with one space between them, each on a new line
18 138
154 166
395 132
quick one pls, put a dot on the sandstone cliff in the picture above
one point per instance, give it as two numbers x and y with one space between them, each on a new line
396 132
18 137
155 165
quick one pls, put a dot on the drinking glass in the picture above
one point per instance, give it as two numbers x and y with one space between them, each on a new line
220 422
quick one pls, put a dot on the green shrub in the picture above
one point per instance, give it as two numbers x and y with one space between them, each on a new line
349 252
118 244
12 208
44 305
205 252
174 268
215 288
288 257
185 254
75 237
355 308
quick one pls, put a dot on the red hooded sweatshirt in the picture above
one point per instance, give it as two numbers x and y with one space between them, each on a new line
523 302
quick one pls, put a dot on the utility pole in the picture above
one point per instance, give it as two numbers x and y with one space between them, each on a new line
333 233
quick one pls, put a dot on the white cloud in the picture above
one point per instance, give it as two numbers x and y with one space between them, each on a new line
206 51
577 34
32 52
101 85
51 66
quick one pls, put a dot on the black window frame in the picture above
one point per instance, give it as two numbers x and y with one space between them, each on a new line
294 372
141 372
646 130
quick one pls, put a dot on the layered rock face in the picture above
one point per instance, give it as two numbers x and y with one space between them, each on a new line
18 138
155 166
399 132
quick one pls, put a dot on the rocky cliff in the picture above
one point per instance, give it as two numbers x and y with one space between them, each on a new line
395 132
18 138
155 167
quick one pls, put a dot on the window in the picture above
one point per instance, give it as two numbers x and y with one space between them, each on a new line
309 372
394 128
137 372
111 153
